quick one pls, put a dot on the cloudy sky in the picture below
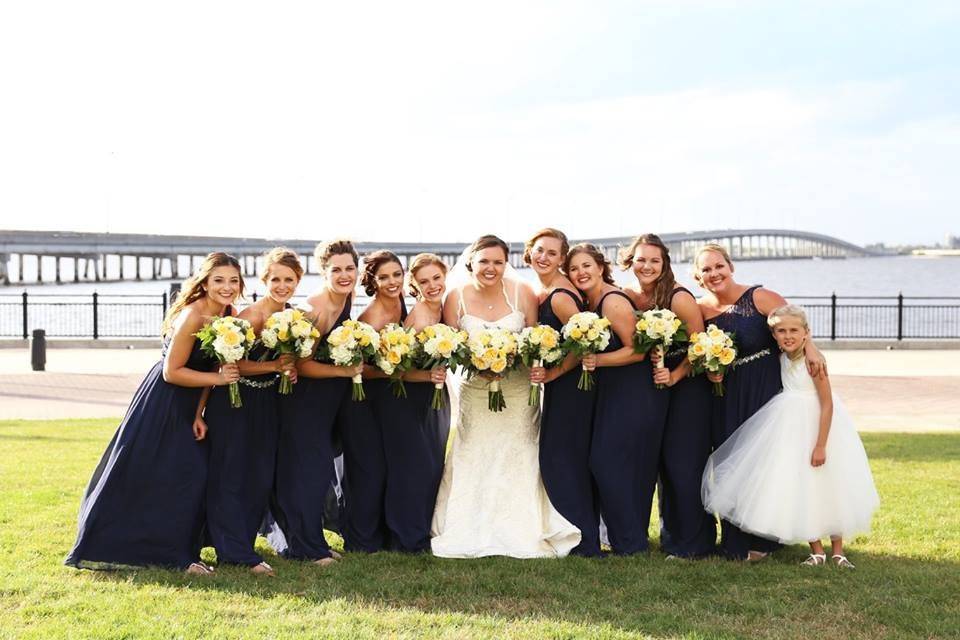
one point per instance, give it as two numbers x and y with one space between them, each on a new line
442 120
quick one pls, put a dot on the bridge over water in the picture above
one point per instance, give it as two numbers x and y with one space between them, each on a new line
76 256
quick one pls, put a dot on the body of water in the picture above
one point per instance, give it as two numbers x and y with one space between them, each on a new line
886 276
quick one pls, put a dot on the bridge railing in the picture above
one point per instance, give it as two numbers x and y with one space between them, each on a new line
831 317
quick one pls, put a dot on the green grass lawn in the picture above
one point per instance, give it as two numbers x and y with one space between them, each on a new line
906 585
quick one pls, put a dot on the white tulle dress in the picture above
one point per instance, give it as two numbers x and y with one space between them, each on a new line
491 500
761 478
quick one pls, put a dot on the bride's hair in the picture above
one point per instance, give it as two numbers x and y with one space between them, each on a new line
595 253
371 263
486 242
420 261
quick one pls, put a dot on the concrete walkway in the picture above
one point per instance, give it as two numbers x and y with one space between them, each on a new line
884 390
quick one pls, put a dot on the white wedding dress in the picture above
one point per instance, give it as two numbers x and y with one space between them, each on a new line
491 500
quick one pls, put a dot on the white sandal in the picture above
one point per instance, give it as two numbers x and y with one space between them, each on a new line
842 562
756 556
262 569
199 569
815 560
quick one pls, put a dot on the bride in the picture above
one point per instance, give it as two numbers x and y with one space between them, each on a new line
491 499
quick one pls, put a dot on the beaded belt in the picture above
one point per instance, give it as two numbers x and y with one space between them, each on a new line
259 384
676 351
750 358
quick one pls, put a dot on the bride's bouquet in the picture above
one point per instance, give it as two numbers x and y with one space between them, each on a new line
658 329
396 354
539 346
585 333
712 350
493 350
350 344
441 345
289 331
228 339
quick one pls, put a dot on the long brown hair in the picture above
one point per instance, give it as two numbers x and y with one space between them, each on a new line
282 256
546 232
193 288
595 253
663 288
420 261
486 242
372 262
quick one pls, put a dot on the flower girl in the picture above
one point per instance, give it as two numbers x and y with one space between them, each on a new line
796 470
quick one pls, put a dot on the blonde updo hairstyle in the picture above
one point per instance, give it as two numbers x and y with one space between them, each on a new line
788 311
420 261
715 248
284 257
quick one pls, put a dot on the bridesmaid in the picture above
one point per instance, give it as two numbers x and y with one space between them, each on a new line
754 377
145 502
414 434
686 530
629 415
364 458
243 442
305 470
565 423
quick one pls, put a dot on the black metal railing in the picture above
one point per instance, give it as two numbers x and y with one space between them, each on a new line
133 316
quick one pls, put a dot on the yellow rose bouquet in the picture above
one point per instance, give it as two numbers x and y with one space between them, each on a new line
229 340
441 345
493 350
658 329
289 331
712 350
350 344
539 347
585 333
398 347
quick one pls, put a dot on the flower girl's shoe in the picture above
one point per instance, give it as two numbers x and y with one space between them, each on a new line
842 562
815 560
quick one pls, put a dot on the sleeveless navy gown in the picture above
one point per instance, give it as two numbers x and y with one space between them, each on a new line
628 423
686 530
565 432
243 450
305 463
144 505
748 386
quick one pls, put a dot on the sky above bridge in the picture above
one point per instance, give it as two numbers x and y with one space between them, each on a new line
442 120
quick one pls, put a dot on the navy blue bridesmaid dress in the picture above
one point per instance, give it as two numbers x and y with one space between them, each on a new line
243 450
566 427
686 530
305 462
365 464
749 384
628 423
144 505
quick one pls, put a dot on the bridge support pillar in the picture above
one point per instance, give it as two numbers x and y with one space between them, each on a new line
120 274
57 267
76 268
4 269
103 267
136 262
155 267
39 268
175 266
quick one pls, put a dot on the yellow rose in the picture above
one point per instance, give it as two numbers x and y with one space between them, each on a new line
251 336
576 333
697 349
393 357
592 334
231 338
445 347
549 340
283 334
498 365
716 350
477 362
727 356
642 325
364 340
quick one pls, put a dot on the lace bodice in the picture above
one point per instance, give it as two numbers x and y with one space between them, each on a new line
513 321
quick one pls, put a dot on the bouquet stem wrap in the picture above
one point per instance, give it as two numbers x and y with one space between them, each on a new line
358 394
437 402
495 401
535 387
235 400
286 387
660 364
586 379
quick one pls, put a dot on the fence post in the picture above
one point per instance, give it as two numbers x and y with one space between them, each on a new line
96 324
833 316
900 316
26 326
254 296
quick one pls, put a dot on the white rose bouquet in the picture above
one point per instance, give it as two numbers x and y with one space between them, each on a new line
350 344
493 350
712 350
658 329
441 345
398 346
539 346
228 339
585 333
289 331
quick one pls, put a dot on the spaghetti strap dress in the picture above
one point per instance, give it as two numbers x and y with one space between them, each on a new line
566 427
628 423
